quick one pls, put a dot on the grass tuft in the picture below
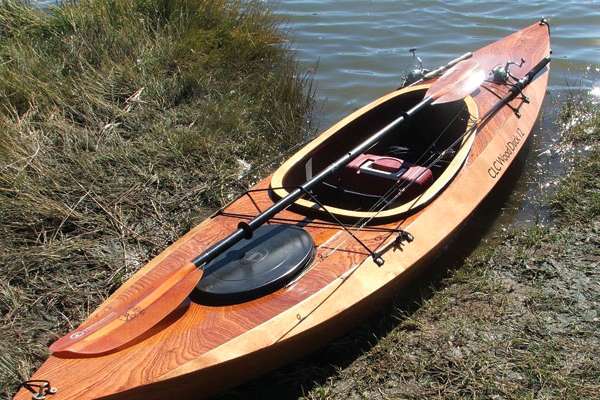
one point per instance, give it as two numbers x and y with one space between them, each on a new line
122 124
578 197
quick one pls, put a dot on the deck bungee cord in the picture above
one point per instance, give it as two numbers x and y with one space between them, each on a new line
514 91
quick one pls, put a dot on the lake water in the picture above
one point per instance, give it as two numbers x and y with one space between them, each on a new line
361 47
358 51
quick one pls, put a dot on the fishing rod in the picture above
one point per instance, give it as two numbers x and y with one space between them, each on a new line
399 188
439 70
515 90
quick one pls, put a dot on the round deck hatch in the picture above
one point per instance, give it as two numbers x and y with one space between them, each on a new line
257 266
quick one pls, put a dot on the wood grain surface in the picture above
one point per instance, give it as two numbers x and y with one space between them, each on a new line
198 349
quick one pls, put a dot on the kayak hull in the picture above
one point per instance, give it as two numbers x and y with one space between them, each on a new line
199 350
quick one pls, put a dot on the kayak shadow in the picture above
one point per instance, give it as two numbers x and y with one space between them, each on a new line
299 377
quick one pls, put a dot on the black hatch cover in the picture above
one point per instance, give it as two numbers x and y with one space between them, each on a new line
257 266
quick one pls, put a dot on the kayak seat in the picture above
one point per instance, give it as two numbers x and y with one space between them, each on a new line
374 174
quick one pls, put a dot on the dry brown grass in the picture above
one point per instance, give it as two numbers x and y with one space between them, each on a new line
122 123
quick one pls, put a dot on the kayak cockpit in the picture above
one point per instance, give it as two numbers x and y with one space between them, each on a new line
401 173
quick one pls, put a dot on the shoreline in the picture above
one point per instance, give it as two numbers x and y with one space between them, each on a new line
113 151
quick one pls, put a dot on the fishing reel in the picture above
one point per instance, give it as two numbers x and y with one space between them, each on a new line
418 73
501 74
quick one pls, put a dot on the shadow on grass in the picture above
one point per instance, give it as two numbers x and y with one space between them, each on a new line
300 377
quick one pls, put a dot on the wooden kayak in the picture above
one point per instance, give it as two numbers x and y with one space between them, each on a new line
447 159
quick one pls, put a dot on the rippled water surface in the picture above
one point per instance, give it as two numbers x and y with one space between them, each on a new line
361 47
359 51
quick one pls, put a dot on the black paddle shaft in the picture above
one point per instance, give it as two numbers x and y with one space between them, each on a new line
530 75
245 229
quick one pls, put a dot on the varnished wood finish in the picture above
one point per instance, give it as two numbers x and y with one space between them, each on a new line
465 77
200 349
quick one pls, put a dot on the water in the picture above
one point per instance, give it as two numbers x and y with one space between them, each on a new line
358 51
361 47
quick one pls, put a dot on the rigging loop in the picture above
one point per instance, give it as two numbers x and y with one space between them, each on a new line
39 389
378 259
403 236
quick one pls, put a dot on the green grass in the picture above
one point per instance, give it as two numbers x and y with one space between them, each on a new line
122 124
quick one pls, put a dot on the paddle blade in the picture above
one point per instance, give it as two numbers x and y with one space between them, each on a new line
457 83
138 309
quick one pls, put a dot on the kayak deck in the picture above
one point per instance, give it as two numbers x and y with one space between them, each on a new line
200 349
